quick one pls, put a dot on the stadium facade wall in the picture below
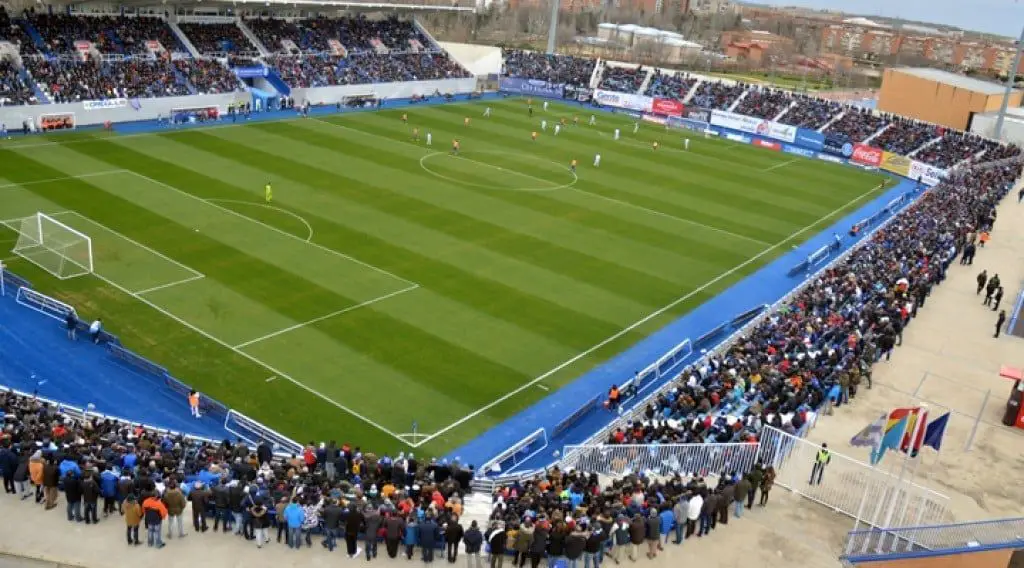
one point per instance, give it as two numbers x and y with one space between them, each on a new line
142 109
406 90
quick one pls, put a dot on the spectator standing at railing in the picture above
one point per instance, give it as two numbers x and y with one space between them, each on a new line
8 463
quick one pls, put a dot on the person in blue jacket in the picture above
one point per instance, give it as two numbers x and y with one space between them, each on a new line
68 464
412 532
429 536
294 516
108 490
668 521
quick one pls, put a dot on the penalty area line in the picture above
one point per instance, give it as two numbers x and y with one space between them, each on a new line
643 320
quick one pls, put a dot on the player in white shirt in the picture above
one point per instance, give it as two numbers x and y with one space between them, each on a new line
597 160
487 111
616 133
545 105
430 139
543 125
558 128
686 143
636 127
593 120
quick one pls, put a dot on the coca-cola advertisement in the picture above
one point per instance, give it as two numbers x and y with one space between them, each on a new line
667 107
866 155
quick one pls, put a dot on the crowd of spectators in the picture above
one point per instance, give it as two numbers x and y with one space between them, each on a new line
811 113
823 344
270 32
309 71
717 95
109 34
670 86
905 135
622 79
764 103
379 68
953 148
208 76
13 89
12 32
857 124
211 38
566 69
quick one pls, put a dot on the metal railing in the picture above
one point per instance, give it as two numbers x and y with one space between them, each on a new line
705 460
1000 533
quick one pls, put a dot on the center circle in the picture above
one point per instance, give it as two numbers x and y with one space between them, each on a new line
553 187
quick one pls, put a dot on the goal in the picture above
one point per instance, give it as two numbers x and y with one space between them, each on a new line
54 246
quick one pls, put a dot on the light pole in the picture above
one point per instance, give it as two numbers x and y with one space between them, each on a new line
553 27
1011 76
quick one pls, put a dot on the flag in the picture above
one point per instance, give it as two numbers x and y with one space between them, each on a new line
890 438
933 434
871 435
912 414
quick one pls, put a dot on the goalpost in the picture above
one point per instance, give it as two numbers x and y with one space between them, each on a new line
54 246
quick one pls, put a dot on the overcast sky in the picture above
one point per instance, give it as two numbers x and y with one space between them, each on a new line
1005 17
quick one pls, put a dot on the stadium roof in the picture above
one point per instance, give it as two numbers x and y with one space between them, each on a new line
958 81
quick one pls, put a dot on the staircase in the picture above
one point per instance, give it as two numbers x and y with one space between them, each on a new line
779 116
595 77
431 42
841 114
181 79
476 507
43 99
277 82
33 33
647 81
247 32
931 142
740 98
875 135
184 39
693 91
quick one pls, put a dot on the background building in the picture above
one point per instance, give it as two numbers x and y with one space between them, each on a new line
940 97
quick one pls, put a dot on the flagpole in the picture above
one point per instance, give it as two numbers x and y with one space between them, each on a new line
922 420
886 485
864 496
921 410
928 471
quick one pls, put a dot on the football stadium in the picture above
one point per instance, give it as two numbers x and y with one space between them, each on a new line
323 275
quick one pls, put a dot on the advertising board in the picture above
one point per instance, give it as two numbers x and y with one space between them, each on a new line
866 155
623 100
532 87
667 107
753 125
895 163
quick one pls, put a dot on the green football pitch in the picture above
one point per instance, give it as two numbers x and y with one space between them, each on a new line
391 283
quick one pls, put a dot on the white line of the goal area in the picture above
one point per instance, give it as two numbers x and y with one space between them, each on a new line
641 321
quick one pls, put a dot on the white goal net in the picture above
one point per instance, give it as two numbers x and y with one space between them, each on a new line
54 246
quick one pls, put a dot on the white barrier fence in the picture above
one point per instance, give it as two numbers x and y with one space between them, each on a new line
703 460
850 486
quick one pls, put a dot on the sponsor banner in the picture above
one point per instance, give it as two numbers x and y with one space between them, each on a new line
837 145
866 155
797 151
532 87
736 137
251 72
810 139
701 114
668 107
654 118
57 121
830 158
928 174
753 125
694 125
623 100
767 144
895 163
104 104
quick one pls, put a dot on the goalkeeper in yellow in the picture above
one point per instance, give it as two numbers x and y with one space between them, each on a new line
268 193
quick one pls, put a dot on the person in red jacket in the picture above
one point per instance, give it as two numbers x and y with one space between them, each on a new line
154 511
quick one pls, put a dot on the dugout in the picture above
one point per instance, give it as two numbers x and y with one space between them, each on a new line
940 97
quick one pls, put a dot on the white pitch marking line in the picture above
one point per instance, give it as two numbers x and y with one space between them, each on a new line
777 166
300 218
64 178
270 378
640 322
542 387
272 228
326 316
170 284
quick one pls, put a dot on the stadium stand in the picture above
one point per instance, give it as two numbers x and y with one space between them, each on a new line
109 34
217 38
674 86
208 76
270 32
312 71
811 113
12 32
905 135
717 95
566 69
13 89
622 79
954 148
764 103
857 124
